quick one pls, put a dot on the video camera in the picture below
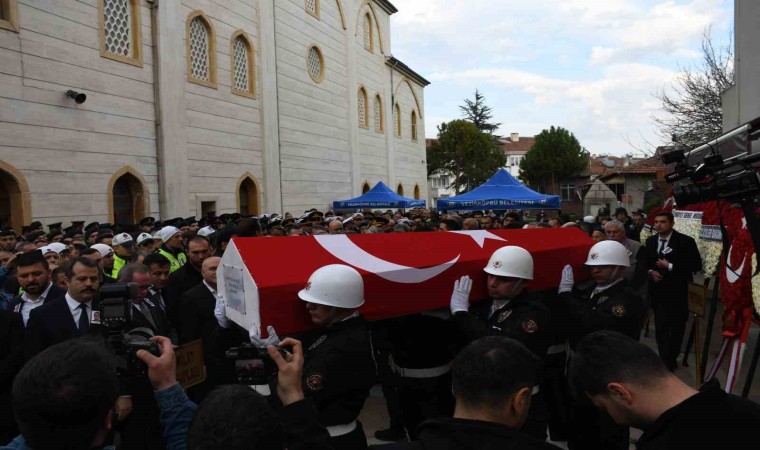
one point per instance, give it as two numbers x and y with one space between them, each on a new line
115 310
722 169
253 365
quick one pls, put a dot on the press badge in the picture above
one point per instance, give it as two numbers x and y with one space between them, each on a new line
667 250
95 317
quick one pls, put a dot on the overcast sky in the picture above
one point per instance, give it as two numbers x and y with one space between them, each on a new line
590 66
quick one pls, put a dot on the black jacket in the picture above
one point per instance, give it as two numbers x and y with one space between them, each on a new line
55 293
619 308
463 434
53 323
712 419
525 319
338 370
180 281
11 360
684 255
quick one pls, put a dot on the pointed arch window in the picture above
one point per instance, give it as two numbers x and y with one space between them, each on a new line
201 50
248 197
365 188
120 30
128 198
368 34
414 125
378 110
416 191
362 107
397 120
242 63
400 189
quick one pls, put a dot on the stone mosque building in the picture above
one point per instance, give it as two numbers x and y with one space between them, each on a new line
112 110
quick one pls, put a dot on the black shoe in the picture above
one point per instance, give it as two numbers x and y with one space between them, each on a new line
391 435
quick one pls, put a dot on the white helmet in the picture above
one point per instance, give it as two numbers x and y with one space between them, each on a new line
334 285
144 237
608 253
167 232
103 249
57 247
511 261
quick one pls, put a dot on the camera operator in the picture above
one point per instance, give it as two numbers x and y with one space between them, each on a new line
141 429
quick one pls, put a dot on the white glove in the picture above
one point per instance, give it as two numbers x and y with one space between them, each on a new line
567 281
460 298
272 338
221 318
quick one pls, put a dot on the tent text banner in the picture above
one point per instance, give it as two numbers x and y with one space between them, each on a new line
403 273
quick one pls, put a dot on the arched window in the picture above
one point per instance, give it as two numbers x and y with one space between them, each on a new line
201 50
400 189
414 125
312 7
397 120
127 199
363 112
120 30
365 188
248 196
378 110
15 209
368 34
416 191
243 75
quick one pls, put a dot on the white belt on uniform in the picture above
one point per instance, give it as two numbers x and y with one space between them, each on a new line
340 430
431 372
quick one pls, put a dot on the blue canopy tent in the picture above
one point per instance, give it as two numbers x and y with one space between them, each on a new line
502 191
380 196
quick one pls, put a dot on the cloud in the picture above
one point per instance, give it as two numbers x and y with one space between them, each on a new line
591 66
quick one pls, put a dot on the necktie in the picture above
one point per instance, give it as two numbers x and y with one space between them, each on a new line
662 245
84 321
146 312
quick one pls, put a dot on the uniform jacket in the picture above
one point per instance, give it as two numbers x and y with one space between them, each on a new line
710 419
618 308
525 319
686 260
463 434
338 370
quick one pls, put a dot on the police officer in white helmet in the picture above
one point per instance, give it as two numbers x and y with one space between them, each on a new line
510 312
610 303
338 366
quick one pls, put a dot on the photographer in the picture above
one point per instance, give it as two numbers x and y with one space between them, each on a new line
236 417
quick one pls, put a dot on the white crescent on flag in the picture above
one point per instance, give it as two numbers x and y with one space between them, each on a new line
341 247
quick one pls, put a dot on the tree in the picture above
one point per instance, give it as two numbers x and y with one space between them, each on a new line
465 152
555 155
693 110
478 113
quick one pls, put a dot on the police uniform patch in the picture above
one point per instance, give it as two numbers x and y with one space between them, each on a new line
318 341
504 315
530 326
315 382
618 310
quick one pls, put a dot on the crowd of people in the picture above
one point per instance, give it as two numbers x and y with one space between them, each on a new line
507 371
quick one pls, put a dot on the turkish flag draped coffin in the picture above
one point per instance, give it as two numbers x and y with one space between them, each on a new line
403 273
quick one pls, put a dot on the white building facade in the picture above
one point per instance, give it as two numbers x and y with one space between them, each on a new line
201 106
741 102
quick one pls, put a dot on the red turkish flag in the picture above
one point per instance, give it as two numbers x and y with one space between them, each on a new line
403 273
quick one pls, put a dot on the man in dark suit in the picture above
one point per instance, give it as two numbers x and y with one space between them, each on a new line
672 258
11 360
197 321
186 277
33 274
142 428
